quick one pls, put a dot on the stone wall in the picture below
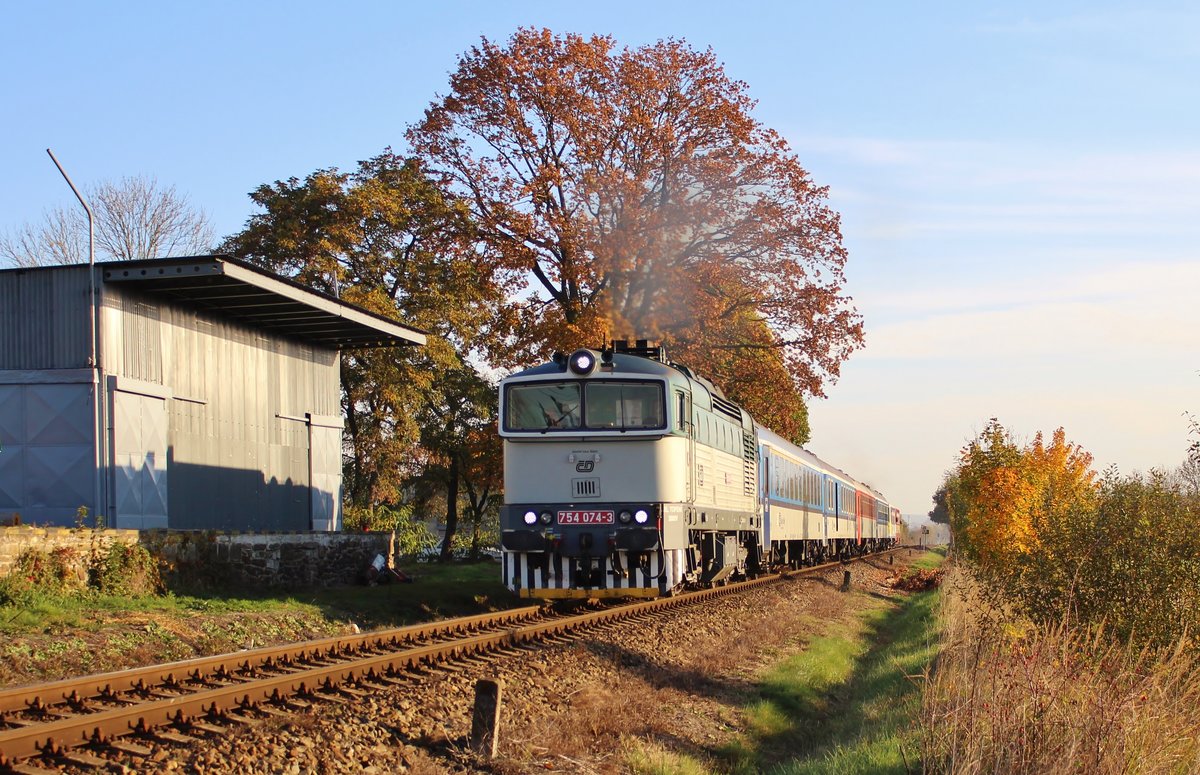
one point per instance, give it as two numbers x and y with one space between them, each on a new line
211 558
84 542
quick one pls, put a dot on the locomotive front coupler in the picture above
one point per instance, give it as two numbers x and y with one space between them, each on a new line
614 559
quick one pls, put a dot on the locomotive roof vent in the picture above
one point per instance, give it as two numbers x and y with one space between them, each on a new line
641 347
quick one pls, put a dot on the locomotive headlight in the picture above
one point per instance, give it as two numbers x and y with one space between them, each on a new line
583 362
547 518
530 517
641 516
625 516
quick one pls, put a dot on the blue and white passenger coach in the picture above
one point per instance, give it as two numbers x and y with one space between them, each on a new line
624 476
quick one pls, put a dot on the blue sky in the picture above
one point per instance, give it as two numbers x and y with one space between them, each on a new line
1019 182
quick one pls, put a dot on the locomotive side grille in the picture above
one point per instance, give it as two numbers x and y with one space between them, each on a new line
585 488
727 408
749 477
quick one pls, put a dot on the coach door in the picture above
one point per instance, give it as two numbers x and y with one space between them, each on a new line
830 504
764 466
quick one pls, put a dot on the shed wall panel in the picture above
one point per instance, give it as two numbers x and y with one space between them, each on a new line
47 457
45 315
240 445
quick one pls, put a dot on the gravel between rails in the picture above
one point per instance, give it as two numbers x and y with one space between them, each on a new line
677 682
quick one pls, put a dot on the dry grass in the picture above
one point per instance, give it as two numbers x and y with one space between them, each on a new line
1007 696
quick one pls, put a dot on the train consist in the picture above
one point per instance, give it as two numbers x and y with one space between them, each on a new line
626 475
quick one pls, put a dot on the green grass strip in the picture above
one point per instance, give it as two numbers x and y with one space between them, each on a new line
847 703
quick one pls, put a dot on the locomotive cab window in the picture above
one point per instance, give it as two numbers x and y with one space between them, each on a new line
543 405
624 405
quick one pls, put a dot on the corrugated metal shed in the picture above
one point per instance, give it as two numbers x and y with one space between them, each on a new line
219 402
249 295
44 318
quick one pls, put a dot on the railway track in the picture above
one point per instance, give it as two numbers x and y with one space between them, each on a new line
91 721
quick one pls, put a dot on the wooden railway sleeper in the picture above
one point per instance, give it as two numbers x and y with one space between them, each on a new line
396 678
81 759
241 719
27 769
168 736
204 726
268 709
19 723
129 748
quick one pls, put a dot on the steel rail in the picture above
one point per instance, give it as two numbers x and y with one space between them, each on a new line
200 668
104 726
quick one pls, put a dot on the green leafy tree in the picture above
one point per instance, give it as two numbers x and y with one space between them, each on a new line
455 428
940 513
386 238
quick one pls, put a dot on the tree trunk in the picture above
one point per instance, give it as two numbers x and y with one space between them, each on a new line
451 509
476 519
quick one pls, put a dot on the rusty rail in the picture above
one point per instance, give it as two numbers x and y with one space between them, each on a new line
201 668
229 685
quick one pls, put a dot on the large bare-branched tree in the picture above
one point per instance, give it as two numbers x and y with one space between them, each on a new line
135 218
640 198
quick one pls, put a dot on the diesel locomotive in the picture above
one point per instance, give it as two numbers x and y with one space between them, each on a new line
627 475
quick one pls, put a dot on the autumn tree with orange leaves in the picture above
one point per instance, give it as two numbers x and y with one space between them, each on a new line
1003 499
1044 532
638 198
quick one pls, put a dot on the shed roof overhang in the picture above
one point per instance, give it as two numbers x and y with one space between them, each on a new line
255 297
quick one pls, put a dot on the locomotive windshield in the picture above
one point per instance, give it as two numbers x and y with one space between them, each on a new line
543 405
605 406
624 405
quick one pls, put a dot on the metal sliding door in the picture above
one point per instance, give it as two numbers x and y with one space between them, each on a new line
139 460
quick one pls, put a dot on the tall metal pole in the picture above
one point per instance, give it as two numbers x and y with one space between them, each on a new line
91 250
94 325
86 209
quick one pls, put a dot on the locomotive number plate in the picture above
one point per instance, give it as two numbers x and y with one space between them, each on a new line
585 517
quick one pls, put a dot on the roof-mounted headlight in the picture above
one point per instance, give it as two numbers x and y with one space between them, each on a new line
583 362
